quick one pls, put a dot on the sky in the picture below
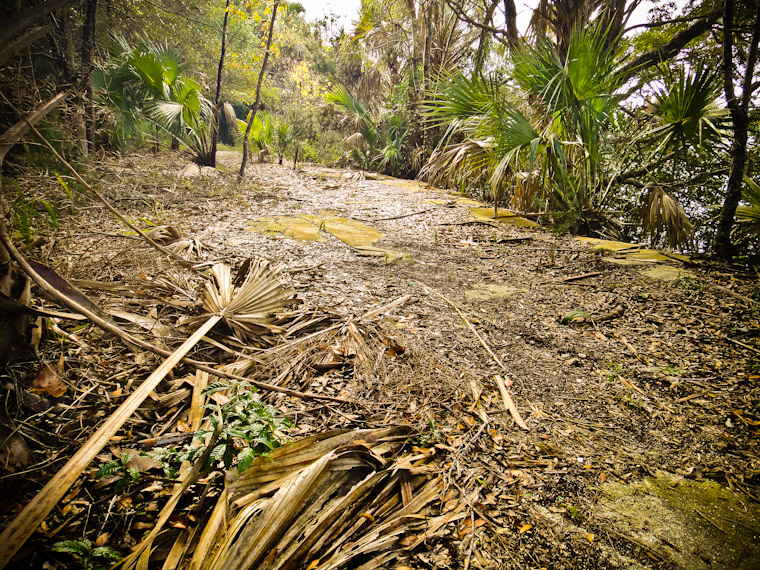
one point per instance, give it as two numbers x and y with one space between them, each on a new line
346 11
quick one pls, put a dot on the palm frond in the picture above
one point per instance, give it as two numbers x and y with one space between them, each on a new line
248 308
662 216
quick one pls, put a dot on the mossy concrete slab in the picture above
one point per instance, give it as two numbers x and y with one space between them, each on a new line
293 227
307 229
504 216
692 525
667 273
457 200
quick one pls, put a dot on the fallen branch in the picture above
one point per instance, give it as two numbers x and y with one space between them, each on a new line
401 216
132 340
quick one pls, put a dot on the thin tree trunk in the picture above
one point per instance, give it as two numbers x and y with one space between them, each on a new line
739 108
218 97
255 107
71 70
485 36
88 53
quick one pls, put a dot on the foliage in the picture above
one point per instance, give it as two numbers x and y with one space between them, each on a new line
32 217
685 110
97 558
129 474
145 81
557 137
249 427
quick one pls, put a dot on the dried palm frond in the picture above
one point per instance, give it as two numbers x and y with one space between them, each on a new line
164 234
663 215
255 300
525 191
461 161
231 118
338 498
248 308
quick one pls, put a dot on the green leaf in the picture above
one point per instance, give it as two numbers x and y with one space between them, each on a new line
245 458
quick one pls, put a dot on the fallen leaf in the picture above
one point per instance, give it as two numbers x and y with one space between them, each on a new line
48 382
524 528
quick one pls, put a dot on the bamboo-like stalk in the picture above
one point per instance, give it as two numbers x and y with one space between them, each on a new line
20 528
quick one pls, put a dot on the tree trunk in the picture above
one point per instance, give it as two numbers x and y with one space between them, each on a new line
485 36
217 98
510 17
255 107
739 108
85 77
68 62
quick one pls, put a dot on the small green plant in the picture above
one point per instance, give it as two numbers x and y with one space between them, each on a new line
97 558
574 316
430 436
630 402
615 370
249 427
129 474
23 213
29 217
435 238
571 510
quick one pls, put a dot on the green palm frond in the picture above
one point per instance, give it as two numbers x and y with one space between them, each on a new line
686 108
750 193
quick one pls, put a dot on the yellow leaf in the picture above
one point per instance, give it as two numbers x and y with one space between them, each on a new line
524 528
590 537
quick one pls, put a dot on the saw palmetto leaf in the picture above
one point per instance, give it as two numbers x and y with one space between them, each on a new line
248 308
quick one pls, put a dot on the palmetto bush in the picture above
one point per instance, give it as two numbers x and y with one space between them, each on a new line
548 122
547 136
145 82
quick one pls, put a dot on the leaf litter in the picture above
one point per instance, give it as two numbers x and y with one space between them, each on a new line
424 383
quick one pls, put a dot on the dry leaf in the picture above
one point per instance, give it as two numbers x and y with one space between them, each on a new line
48 382
524 528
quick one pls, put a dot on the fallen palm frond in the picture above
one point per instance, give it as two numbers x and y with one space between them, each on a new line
342 499
358 347
259 295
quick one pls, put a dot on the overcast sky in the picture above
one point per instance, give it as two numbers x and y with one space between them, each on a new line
347 11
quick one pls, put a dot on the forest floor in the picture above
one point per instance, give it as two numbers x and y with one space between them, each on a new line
636 375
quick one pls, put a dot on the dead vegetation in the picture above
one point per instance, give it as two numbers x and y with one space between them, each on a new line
400 385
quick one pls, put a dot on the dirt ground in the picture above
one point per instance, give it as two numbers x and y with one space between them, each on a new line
640 394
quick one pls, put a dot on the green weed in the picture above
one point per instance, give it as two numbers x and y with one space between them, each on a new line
97 558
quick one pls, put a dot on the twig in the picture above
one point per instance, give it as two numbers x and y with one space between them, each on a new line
748 347
509 403
380 310
578 277
401 216
734 294
469 325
